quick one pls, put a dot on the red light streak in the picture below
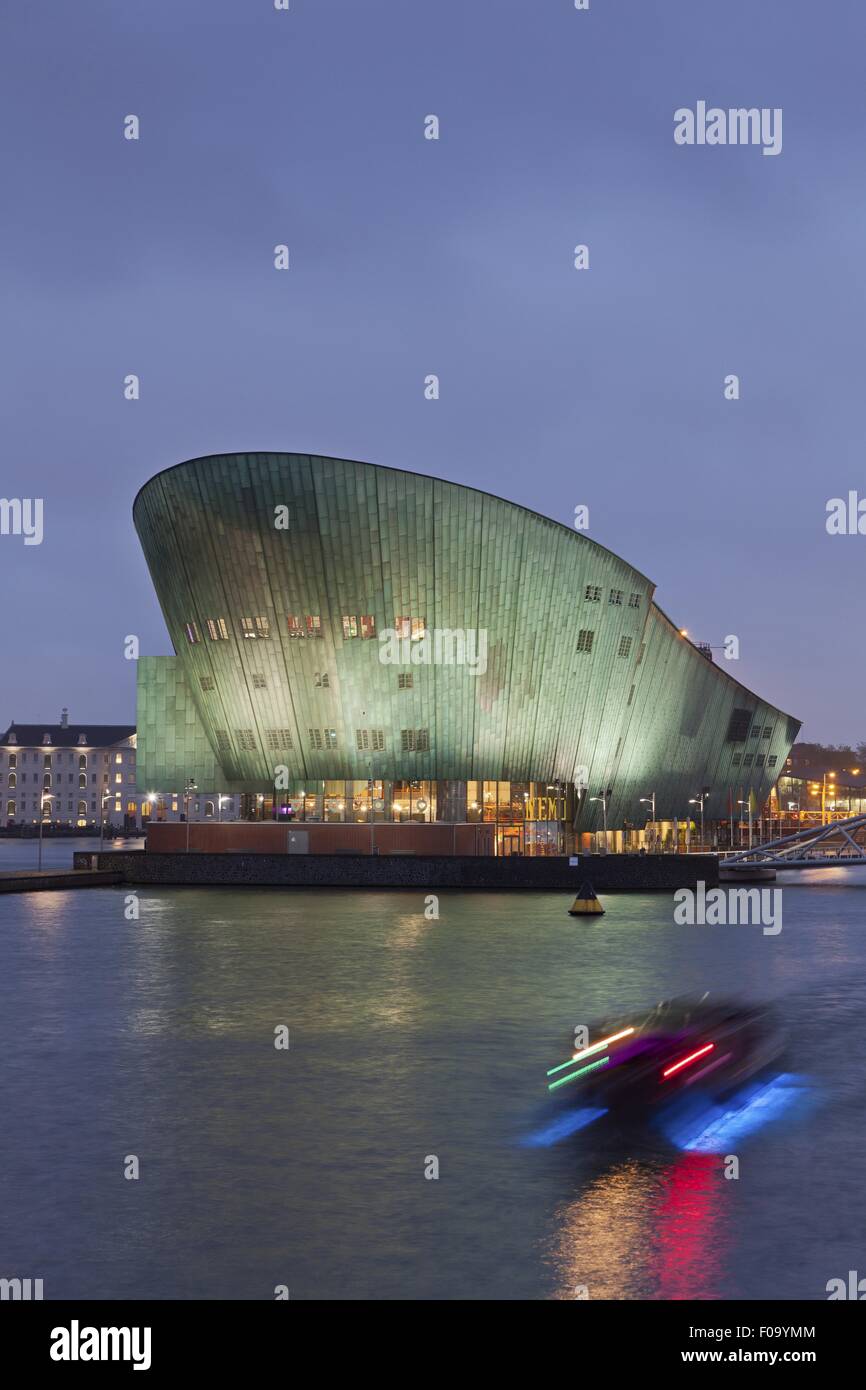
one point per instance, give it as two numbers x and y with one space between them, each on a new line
684 1062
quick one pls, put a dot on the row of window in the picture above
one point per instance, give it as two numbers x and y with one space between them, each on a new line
411 740
592 594
46 777
747 759
322 681
586 638
354 625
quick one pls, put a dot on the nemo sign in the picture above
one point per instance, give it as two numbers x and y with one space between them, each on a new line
545 808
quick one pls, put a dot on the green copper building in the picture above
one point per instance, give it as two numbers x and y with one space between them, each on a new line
380 643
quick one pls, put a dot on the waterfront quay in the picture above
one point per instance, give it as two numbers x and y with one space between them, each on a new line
608 873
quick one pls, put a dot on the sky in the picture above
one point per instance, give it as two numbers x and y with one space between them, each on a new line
559 387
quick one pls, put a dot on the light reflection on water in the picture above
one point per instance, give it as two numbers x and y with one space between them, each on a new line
409 1038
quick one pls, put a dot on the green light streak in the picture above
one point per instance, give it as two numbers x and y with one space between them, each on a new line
584 1052
562 1080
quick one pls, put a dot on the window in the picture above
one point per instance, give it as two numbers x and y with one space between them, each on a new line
370 738
759 760
315 738
771 761
756 731
259 682
640 653
330 738
405 680
403 627
279 738
585 639
414 740
368 625
294 625
738 725
314 625
255 627
615 597
323 680
246 740
217 630
631 695
350 626
592 593
223 741
735 760
82 780
82 762
419 627
634 600
13 781
624 648
192 633
206 682
747 760
768 732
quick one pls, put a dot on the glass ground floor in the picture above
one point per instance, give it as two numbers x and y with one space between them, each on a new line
533 818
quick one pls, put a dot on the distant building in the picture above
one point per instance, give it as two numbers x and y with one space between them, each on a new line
85 775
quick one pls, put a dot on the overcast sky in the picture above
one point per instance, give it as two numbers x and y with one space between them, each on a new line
454 257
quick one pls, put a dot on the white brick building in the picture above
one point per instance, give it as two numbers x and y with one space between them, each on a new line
85 776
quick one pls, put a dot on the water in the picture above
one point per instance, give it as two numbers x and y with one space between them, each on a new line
409 1038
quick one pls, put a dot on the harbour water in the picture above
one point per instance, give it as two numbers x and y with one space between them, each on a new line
410 1039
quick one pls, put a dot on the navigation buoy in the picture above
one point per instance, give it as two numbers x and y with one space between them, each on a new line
585 903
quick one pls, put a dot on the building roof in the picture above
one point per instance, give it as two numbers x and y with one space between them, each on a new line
65 736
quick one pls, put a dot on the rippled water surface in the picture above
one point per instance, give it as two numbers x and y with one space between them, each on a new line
409 1038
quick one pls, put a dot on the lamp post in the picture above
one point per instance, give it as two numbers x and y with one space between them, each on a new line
189 791
699 801
106 796
651 801
602 797
42 802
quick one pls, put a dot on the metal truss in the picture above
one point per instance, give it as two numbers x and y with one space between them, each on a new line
839 842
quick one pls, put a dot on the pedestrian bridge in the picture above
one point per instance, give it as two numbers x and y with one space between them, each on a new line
819 847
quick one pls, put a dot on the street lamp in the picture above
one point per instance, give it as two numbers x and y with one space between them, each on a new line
651 801
220 800
49 799
602 797
699 801
106 796
189 791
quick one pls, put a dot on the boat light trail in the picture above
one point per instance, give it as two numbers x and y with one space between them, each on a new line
588 1051
581 1072
684 1061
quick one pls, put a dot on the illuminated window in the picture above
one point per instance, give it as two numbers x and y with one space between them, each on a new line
585 639
419 627
294 625
370 738
217 629
350 626
314 625
368 625
191 633
403 627
118 776
330 738
255 627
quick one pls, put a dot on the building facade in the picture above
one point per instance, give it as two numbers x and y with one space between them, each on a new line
84 776
356 642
